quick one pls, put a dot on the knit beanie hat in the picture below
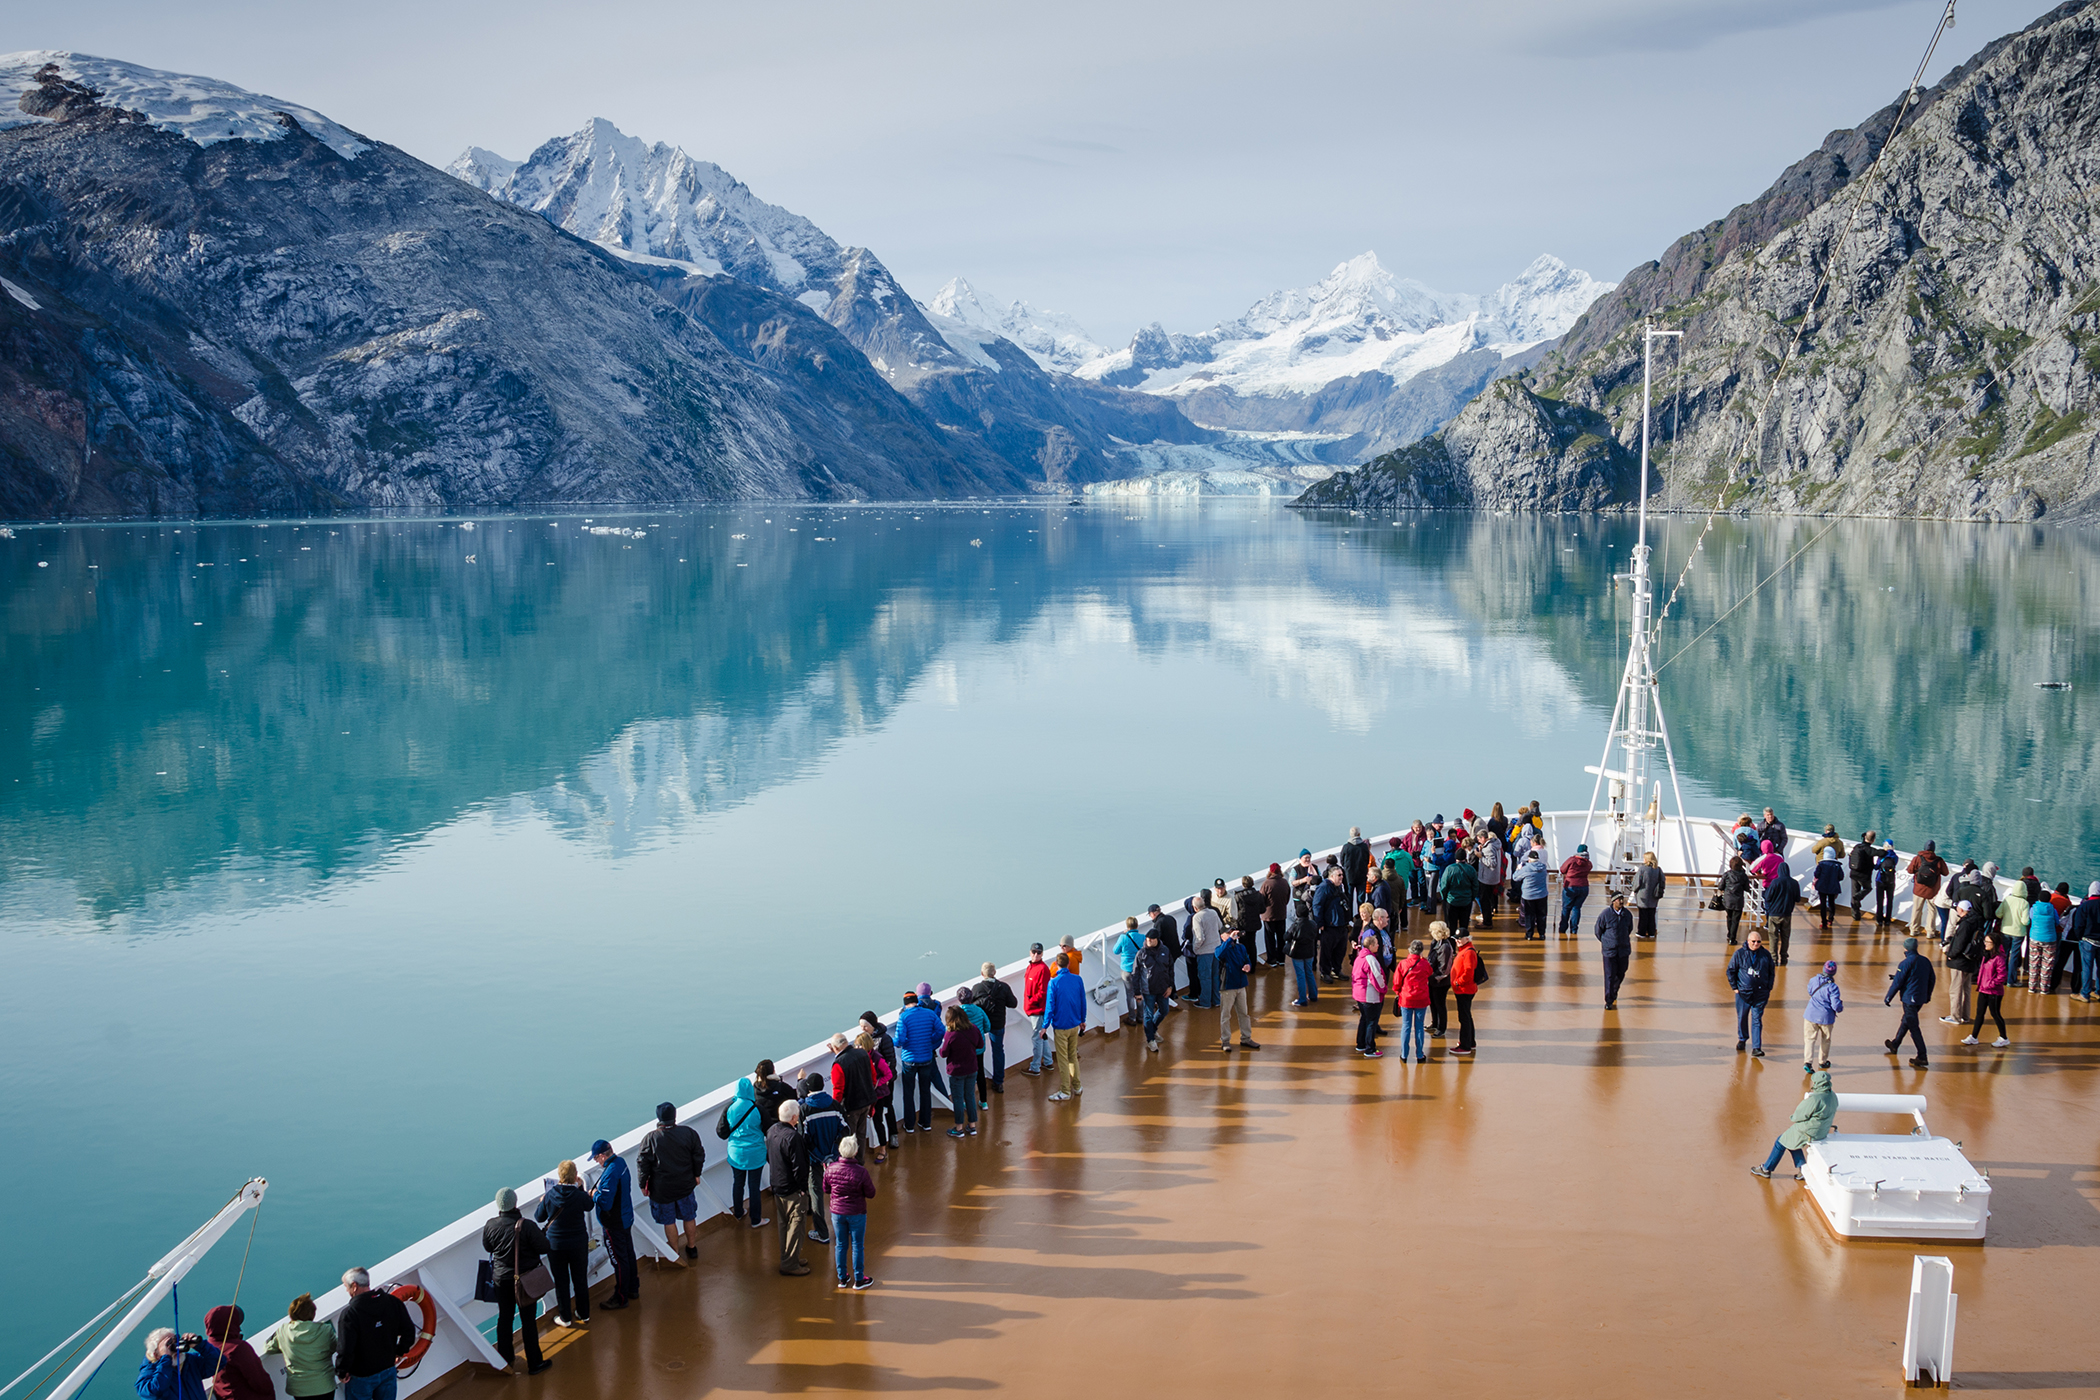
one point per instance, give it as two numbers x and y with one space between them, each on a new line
506 1199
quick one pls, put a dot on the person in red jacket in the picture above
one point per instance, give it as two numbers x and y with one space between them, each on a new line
1035 986
1411 979
240 1375
1574 888
1466 975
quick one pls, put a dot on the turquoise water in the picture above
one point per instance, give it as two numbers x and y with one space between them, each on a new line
393 860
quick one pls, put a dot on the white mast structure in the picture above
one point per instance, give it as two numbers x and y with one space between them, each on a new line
1634 815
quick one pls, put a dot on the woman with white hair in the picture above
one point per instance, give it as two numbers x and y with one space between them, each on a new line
847 1190
176 1368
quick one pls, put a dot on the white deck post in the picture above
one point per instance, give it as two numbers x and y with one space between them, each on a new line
1928 1335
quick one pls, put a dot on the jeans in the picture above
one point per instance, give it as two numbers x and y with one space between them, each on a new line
998 1049
1614 976
1465 1020
1207 975
1750 1021
920 1078
2089 968
377 1386
962 1094
1367 1025
569 1262
849 1247
1571 907
739 1179
1155 1011
1039 1042
1413 1024
527 1314
1308 984
619 1250
1987 1004
1778 1151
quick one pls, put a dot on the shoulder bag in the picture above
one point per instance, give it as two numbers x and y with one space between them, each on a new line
533 1286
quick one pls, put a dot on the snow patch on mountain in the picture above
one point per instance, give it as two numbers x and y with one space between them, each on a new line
59 86
658 204
1359 319
1052 339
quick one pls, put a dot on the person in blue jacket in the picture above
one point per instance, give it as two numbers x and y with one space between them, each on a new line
613 1199
1828 880
1066 1007
1912 981
917 1036
176 1368
1750 974
1615 937
1782 894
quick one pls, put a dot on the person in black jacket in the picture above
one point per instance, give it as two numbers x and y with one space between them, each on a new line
1355 858
1735 883
1751 973
1912 981
514 1246
995 998
1302 943
566 1212
1860 865
1774 830
1964 952
1614 932
787 1163
1155 973
1781 897
371 1333
670 1163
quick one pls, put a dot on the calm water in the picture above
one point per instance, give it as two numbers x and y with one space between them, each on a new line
393 860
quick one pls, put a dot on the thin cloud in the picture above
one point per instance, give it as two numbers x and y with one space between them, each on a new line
1678 26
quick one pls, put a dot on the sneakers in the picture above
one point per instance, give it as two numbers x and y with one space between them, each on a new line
1968 1040
1461 1052
862 1282
691 1253
1225 1045
1757 1054
955 1132
1153 1046
969 1132
1250 1045
1950 1020
1824 1064
2000 1043
1372 1054
1059 1097
758 1224
1763 1172
1807 1068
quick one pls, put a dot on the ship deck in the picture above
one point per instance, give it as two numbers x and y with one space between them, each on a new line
1569 1213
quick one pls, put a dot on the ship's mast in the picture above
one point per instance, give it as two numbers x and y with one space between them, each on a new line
1637 724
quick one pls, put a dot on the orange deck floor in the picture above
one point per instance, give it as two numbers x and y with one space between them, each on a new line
1570 1213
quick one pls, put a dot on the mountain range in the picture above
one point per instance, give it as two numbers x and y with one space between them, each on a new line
1906 323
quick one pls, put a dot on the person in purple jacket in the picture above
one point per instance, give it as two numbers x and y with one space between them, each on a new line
849 1188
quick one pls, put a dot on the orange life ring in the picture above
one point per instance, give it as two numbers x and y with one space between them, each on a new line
418 1295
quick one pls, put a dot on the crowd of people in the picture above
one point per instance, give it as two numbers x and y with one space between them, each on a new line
1350 917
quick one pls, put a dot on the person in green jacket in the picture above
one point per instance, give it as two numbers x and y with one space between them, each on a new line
1458 888
1812 1119
308 1349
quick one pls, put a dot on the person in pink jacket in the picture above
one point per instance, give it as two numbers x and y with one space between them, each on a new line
1411 978
1367 989
1991 977
1767 864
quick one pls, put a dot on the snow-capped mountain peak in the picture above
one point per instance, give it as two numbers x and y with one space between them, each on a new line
54 85
656 203
1359 290
1052 339
1545 299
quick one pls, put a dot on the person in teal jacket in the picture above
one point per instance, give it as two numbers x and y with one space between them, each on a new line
1811 1123
747 1149
2042 921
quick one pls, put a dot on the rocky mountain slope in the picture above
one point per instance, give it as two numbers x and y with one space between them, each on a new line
656 205
1949 368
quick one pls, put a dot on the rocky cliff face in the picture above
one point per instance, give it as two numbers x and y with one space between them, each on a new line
1949 368
1508 450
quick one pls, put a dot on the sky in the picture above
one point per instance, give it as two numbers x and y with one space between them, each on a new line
1124 163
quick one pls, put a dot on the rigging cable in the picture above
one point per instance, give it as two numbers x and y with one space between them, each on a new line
1856 195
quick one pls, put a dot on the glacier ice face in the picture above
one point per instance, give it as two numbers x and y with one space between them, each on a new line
60 85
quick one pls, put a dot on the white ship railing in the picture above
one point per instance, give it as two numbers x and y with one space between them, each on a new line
444 1262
